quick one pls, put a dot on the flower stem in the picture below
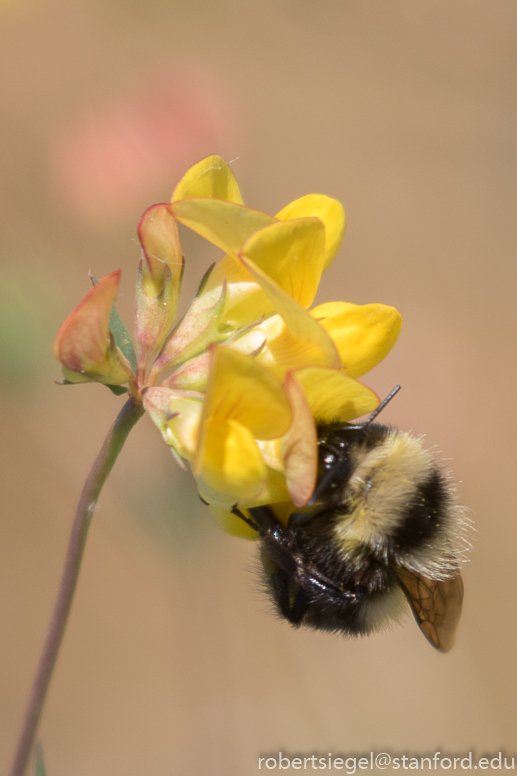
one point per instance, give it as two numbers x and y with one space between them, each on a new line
117 435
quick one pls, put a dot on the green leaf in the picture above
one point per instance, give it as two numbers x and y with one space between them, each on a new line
39 768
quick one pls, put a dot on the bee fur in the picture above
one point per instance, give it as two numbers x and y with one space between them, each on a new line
383 528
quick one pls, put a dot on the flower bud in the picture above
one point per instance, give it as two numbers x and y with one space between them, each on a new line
159 279
84 344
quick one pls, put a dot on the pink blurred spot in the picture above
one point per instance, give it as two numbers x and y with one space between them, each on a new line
112 159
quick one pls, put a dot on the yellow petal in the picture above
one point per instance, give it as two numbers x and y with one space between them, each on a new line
292 254
300 341
273 493
328 309
230 460
222 223
250 343
329 210
282 351
271 450
230 523
245 300
211 177
300 445
332 395
364 334
274 490
230 269
240 389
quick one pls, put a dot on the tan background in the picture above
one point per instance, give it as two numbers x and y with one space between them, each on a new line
405 111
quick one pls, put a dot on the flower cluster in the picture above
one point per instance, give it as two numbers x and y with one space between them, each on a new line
235 386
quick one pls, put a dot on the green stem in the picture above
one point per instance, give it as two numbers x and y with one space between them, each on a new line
113 444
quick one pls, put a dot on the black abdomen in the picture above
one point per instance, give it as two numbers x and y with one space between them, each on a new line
421 520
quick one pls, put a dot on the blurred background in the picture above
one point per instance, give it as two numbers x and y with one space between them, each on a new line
173 662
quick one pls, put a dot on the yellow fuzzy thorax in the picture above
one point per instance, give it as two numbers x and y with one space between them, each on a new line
383 482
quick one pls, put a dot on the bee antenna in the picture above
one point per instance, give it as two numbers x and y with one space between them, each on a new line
376 412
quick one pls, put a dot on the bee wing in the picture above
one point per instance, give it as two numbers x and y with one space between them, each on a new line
436 605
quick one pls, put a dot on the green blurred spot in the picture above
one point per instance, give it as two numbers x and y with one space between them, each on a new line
39 769
21 337
166 505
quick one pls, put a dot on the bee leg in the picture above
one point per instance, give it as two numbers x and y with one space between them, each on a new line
299 607
295 611
237 512
267 520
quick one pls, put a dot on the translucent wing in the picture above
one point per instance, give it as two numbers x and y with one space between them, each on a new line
436 605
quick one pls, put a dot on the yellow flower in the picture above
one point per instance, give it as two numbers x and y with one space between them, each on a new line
237 385
256 302
266 256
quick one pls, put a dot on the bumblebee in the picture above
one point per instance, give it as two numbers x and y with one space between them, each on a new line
382 528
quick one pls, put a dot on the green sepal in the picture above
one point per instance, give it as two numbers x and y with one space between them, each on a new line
118 390
204 280
120 334
72 378
122 338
